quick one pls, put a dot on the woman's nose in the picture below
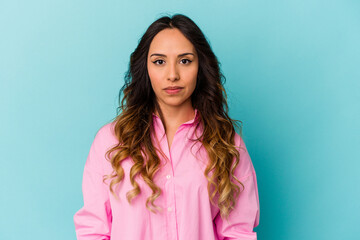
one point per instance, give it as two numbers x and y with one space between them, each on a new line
173 73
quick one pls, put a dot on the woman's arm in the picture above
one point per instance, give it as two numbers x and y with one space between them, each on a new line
245 217
93 220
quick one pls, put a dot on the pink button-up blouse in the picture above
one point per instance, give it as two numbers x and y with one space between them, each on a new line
187 213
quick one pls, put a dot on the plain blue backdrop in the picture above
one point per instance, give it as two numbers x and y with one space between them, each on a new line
292 77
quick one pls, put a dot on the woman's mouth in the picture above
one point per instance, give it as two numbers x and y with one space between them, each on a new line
173 90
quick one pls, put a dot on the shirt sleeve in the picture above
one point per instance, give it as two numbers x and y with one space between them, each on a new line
93 220
246 215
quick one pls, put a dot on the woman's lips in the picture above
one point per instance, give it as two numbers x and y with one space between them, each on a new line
173 90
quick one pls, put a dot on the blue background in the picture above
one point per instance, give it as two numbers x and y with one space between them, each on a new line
292 77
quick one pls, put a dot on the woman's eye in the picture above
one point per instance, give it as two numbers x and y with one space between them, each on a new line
158 62
185 61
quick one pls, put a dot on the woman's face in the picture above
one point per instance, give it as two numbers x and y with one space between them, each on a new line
172 62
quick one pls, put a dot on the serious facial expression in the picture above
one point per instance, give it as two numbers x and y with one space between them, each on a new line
172 63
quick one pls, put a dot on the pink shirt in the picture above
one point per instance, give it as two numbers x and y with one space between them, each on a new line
187 212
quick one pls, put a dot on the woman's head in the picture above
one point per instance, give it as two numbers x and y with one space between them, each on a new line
144 95
145 81
172 62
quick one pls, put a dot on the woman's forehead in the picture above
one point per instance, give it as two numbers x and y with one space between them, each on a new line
171 42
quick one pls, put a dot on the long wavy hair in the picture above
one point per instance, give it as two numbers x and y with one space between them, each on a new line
134 121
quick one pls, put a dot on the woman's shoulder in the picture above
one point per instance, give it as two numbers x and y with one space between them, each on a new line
105 136
239 142
107 129
245 166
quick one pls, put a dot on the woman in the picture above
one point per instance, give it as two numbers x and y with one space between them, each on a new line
170 166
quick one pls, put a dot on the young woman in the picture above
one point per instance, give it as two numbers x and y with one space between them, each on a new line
171 165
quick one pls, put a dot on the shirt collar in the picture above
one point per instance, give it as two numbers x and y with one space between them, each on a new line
190 122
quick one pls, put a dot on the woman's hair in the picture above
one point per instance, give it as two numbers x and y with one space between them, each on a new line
133 126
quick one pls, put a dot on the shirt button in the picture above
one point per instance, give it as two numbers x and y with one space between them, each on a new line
168 176
169 209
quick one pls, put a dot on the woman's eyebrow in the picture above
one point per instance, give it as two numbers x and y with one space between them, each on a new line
163 55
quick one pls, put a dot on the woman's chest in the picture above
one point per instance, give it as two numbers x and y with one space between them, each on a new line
181 179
